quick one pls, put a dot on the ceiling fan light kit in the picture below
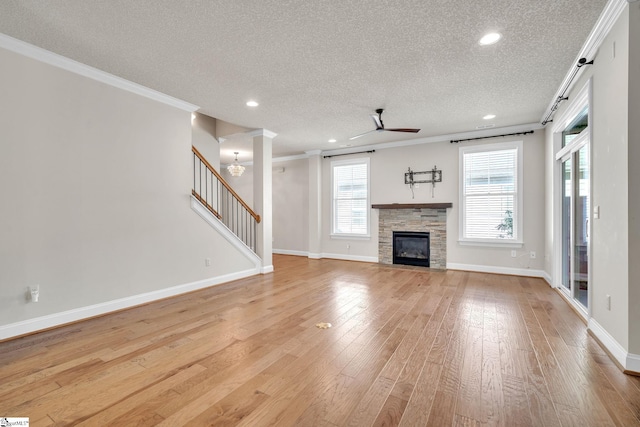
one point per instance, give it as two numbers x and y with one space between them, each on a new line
377 120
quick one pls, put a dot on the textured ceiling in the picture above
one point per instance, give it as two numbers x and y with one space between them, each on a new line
319 68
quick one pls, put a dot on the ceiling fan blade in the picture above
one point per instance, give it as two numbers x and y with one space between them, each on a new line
362 134
377 121
403 130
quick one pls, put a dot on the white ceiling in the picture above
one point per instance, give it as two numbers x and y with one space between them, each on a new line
319 68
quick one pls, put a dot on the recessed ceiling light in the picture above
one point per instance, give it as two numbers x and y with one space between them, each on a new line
489 117
252 104
332 140
490 38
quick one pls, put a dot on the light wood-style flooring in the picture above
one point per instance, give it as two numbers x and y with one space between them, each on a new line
408 347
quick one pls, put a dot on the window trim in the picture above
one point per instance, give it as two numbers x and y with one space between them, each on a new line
518 242
358 161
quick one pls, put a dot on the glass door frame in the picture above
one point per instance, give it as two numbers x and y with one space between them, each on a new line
580 101
570 152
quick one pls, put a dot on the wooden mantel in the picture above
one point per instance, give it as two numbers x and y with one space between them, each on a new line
413 206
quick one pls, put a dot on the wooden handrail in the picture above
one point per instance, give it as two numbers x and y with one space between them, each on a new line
207 205
225 183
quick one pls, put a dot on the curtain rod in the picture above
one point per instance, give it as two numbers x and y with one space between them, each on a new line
493 136
581 62
346 154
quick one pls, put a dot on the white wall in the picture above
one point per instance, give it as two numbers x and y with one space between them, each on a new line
290 203
95 184
204 139
611 165
291 206
633 159
387 186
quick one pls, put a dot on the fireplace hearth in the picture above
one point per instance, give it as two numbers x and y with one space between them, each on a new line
411 248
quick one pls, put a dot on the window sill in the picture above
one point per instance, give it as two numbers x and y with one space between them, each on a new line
491 243
351 236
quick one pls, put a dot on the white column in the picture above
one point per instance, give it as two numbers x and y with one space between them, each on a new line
262 195
315 204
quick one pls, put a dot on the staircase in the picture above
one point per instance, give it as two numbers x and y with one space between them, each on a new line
217 196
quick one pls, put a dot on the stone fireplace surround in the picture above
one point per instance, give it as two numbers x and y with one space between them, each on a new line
425 217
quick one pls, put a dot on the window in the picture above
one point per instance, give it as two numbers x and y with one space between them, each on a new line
490 194
350 192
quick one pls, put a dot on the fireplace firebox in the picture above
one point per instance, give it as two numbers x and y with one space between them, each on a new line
411 248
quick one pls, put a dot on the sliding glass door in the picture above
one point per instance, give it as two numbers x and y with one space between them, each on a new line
575 210
572 200
567 191
581 226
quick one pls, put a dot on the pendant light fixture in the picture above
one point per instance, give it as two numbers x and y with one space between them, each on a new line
235 168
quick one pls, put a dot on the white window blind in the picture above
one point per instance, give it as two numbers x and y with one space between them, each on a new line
351 198
490 182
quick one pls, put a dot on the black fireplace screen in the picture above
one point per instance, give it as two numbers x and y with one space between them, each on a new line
411 248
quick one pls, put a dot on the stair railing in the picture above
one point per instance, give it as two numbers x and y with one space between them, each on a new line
210 189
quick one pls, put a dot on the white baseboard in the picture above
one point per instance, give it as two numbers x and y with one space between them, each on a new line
629 361
348 257
612 346
497 270
58 319
289 252
633 362
547 277
313 255
266 269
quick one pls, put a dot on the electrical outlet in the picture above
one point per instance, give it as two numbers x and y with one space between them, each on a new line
207 262
348 246
513 254
609 302
35 293
532 254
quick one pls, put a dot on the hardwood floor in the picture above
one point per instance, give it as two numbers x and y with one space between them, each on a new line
408 347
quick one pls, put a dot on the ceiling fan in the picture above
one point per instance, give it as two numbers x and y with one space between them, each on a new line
380 126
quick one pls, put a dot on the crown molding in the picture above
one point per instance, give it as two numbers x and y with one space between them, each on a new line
418 141
289 158
59 61
607 19
438 138
276 159
262 132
